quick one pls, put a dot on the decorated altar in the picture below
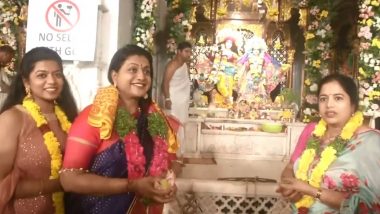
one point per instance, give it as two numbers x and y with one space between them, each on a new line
248 70
241 73
243 110
243 68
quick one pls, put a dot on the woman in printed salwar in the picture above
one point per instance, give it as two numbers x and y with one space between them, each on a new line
120 147
335 165
34 122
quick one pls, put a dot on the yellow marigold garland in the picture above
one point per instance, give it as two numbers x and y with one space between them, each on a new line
328 155
51 143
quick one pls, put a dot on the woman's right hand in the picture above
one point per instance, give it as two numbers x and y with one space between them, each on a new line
146 187
289 194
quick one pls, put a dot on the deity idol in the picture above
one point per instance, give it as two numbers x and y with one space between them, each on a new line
225 62
251 78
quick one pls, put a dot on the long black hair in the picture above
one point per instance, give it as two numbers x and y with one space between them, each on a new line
17 89
117 62
347 84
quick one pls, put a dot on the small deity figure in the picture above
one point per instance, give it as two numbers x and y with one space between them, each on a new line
225 61
251 77
243 109
217 99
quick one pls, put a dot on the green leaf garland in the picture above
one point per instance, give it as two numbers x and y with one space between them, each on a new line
125 123
157 125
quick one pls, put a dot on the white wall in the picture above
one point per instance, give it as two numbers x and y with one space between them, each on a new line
125 26
113 31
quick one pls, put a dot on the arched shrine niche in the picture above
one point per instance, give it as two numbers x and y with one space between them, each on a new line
242 58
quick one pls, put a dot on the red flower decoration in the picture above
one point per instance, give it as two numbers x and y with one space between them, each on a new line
303 210
350 182
329 182
135 156
136 159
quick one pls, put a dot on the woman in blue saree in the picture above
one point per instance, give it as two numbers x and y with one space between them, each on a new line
120 147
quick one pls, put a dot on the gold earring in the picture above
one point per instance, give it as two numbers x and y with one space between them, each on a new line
146 96
115 85
28 93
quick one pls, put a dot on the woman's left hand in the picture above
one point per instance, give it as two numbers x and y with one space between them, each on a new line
170 196
153 188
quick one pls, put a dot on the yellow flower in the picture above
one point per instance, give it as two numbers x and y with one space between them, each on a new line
34 111
346 134
287 114
309 36
307 157
369 22
362 72
328 156
376 42
373 94
305 201
65 123
54 149
324 13
277 45
307 82
58 202
52 145
375 3
317 63
351 126
320 128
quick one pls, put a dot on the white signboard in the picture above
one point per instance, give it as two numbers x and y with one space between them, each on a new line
68 27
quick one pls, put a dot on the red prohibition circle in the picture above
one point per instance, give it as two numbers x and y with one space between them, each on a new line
52 7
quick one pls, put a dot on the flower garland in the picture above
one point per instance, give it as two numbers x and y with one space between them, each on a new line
12 21
318 38
328 156
145 24
179 12
369 60
51 143
125 126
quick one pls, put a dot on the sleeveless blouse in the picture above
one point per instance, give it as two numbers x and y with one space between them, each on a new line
32 162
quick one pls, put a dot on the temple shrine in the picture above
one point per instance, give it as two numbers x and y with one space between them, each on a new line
254 71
